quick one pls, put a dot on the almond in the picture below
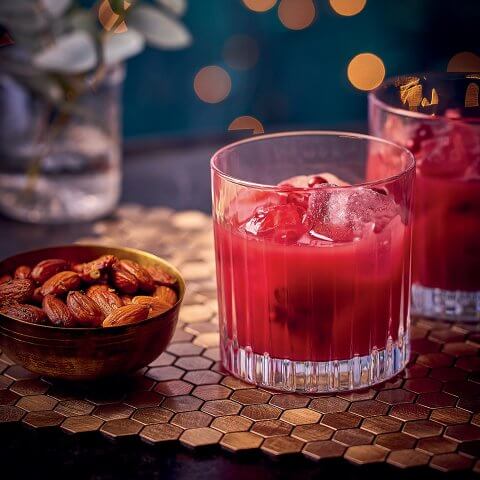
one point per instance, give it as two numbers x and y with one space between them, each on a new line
166 295
45 269
84 309
57 312
106 298
144 279
26 313
160 276
91 272
61 283
156 305
126 315
5 278
23 271
123 280
16 290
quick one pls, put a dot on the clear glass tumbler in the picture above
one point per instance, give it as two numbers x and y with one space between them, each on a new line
312 241
437 116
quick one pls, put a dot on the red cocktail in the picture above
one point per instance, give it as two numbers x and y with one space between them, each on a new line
313 272
444 136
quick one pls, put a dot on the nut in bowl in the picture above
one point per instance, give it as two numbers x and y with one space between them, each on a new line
84 312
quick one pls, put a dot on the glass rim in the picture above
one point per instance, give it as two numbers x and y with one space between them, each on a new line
374 98
319 133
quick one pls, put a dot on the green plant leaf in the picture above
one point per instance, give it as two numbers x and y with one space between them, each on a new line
71 53
159 29
177 7
120 46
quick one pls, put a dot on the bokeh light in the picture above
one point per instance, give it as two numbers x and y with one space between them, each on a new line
296 14
348 8
110 20
212 84
241 52
464 62
259 5
247 122
366 71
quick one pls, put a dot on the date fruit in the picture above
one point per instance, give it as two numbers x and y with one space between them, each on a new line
26 313
85 311
126 315
160 276
166 295
105 297
61 283
106 291
144 279
57 311
124 281
45 269
16 290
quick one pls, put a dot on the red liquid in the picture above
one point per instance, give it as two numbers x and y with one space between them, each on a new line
285 292
446 252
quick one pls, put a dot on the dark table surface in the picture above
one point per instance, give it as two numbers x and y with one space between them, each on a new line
174 174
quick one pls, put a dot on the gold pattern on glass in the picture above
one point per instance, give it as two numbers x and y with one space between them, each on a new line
471 95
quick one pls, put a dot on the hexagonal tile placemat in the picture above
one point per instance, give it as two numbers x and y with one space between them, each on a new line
427 416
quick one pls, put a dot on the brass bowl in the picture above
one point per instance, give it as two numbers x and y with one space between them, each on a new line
87 353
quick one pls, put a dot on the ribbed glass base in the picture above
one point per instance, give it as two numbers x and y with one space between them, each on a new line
446 304
315 377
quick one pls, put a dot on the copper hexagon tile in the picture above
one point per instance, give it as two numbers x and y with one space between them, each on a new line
312 433
363 454
241 441
158 433
427 416
200 437
192 420
300 416
395 441
212 392
353 436
323 449
232 423
329 404
171 388
381 424
408 458
81 424
151 415
436 445
341 420
283 445
271 428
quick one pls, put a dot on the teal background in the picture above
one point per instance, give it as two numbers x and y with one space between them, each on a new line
300 79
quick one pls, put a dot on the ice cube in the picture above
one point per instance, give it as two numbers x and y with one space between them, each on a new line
343 215
280 223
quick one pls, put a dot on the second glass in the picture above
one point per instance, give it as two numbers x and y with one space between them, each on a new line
312 238
437 116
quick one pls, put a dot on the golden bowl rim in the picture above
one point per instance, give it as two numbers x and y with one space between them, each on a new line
115 328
